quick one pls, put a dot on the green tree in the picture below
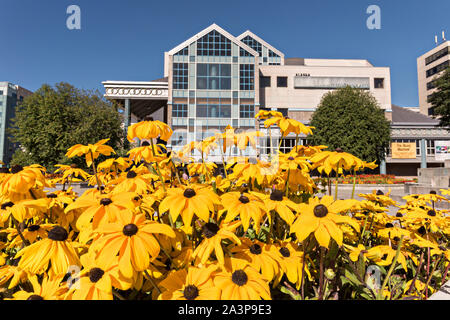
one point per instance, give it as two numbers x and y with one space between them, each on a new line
53 119
440 99
351 119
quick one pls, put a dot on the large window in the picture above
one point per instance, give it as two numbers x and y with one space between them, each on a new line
179 110
436 56
213 110
252 43
214 76
180 75
287 144
247 111
247 76
438 68
213 44
182 52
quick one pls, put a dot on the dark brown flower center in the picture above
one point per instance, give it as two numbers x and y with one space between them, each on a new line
189 193
95 274
52 195
431 213
399 215
243 199
190 292
35 297
285 252
320 211
7 205
17 168
291 158
210 229
255 249
148 118
389 225
33 228
58 234
130 230
422 230
380 193
339 150
105 201
239 277
131 174
145 144
73 165
432 192
276 195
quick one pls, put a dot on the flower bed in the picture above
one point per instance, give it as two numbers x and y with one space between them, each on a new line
160 227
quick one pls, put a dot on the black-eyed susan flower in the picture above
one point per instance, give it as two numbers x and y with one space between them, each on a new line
131 237
96 280
290 258
31 233
212 241
55 252
238 280
190 284
185 201
101 208
321 218
259 256
49 289
327 161
277 202
91 151
149 129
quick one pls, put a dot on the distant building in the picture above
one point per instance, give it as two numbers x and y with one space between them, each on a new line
215 79
10 96
429 143
429 67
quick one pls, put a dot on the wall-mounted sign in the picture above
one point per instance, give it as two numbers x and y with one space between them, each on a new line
302 82
303 75
442 150
403 150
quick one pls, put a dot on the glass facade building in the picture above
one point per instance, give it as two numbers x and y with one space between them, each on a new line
10 96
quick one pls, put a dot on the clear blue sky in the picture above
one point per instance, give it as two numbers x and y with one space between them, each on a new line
125 40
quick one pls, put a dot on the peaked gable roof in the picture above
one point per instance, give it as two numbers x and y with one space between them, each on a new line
254 36
207 30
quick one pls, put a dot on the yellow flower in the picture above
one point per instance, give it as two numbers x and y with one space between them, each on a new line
91 151
290 258
56 250
259 256
277 202
213 236
149 129
132 238
320 217
238 280
191 284
247 206
327 161
189 200
101 208
289 126
50 289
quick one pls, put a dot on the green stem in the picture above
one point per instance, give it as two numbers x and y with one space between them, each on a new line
354 183
391 269
157 168
95 172
152 282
